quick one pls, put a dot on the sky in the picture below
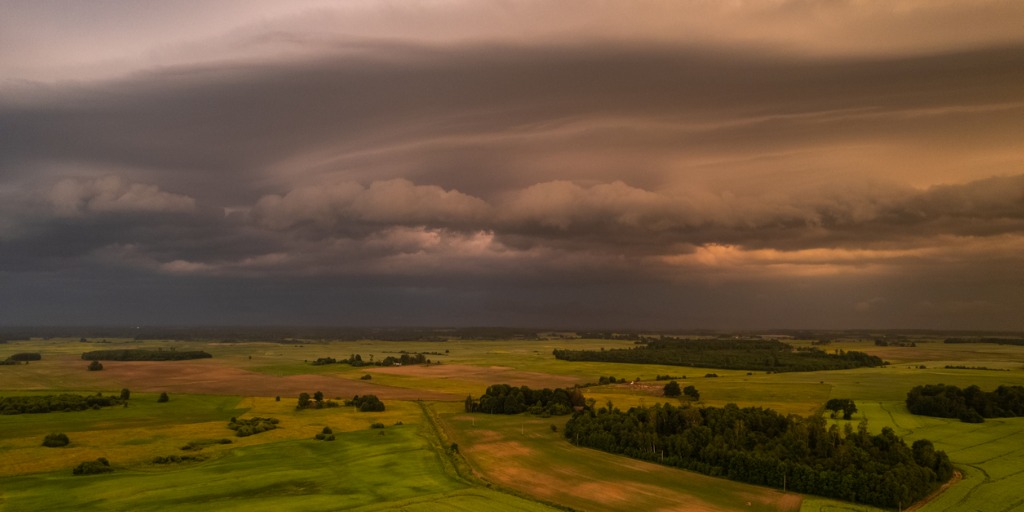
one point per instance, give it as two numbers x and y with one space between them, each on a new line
639 164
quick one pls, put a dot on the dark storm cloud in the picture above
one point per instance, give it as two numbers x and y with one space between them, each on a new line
501 183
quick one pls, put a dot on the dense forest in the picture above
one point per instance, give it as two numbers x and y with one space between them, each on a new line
734 354
138 354
505 399
65 402
763 447
970 405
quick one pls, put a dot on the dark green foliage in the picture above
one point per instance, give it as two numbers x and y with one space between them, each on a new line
377 425
844 405
366 403
95 366
203 443
178 459
997 341
325 435
252 426
762 447
692 393
25 356
971 405
56 440
93 467
138 354
608 380
125 394
366 377
505 399
453 448
163 397
55 403
672 389
316 401
357 360
767 355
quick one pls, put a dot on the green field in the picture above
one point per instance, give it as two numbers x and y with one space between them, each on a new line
503 462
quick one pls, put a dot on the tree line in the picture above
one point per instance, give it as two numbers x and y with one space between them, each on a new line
138 354
357 360
762 447
65 402
970 405
505 399
741 354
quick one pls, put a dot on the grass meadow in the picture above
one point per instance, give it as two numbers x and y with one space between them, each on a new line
504 462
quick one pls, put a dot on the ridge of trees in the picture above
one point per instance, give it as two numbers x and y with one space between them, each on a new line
139 354
970 405
506 399
65 402
762 447
357 360
734 354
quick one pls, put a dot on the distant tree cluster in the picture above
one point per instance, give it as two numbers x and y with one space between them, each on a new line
844 405
178 459
366 403
314 401
970 405
93 467
325 435
357 360
505 399
138 354
740 354
997 341
763 447
56 440
25 356
252 426
65 402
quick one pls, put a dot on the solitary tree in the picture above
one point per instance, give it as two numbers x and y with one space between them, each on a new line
672 389
95 366
163 397
303 400
125 394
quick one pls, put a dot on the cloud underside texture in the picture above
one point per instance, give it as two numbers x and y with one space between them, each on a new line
563 185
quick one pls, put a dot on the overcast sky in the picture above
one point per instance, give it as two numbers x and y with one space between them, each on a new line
634 164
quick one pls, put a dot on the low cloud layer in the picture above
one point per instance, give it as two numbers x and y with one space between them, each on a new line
347 165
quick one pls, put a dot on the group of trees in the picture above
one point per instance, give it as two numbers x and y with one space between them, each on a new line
316 401
997 341
64 402
93 467
21 357
736 354
844 405
366 403
56 440
251 426
505 399
763 447
325 435
970 405
138 354
357 360
672 389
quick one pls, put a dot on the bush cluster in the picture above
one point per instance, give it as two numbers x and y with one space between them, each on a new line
252 426
93 467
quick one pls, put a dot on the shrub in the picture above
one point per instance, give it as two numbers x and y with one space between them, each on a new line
93 467
377 425
56 440
672 389
163 397
95 366
366 377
